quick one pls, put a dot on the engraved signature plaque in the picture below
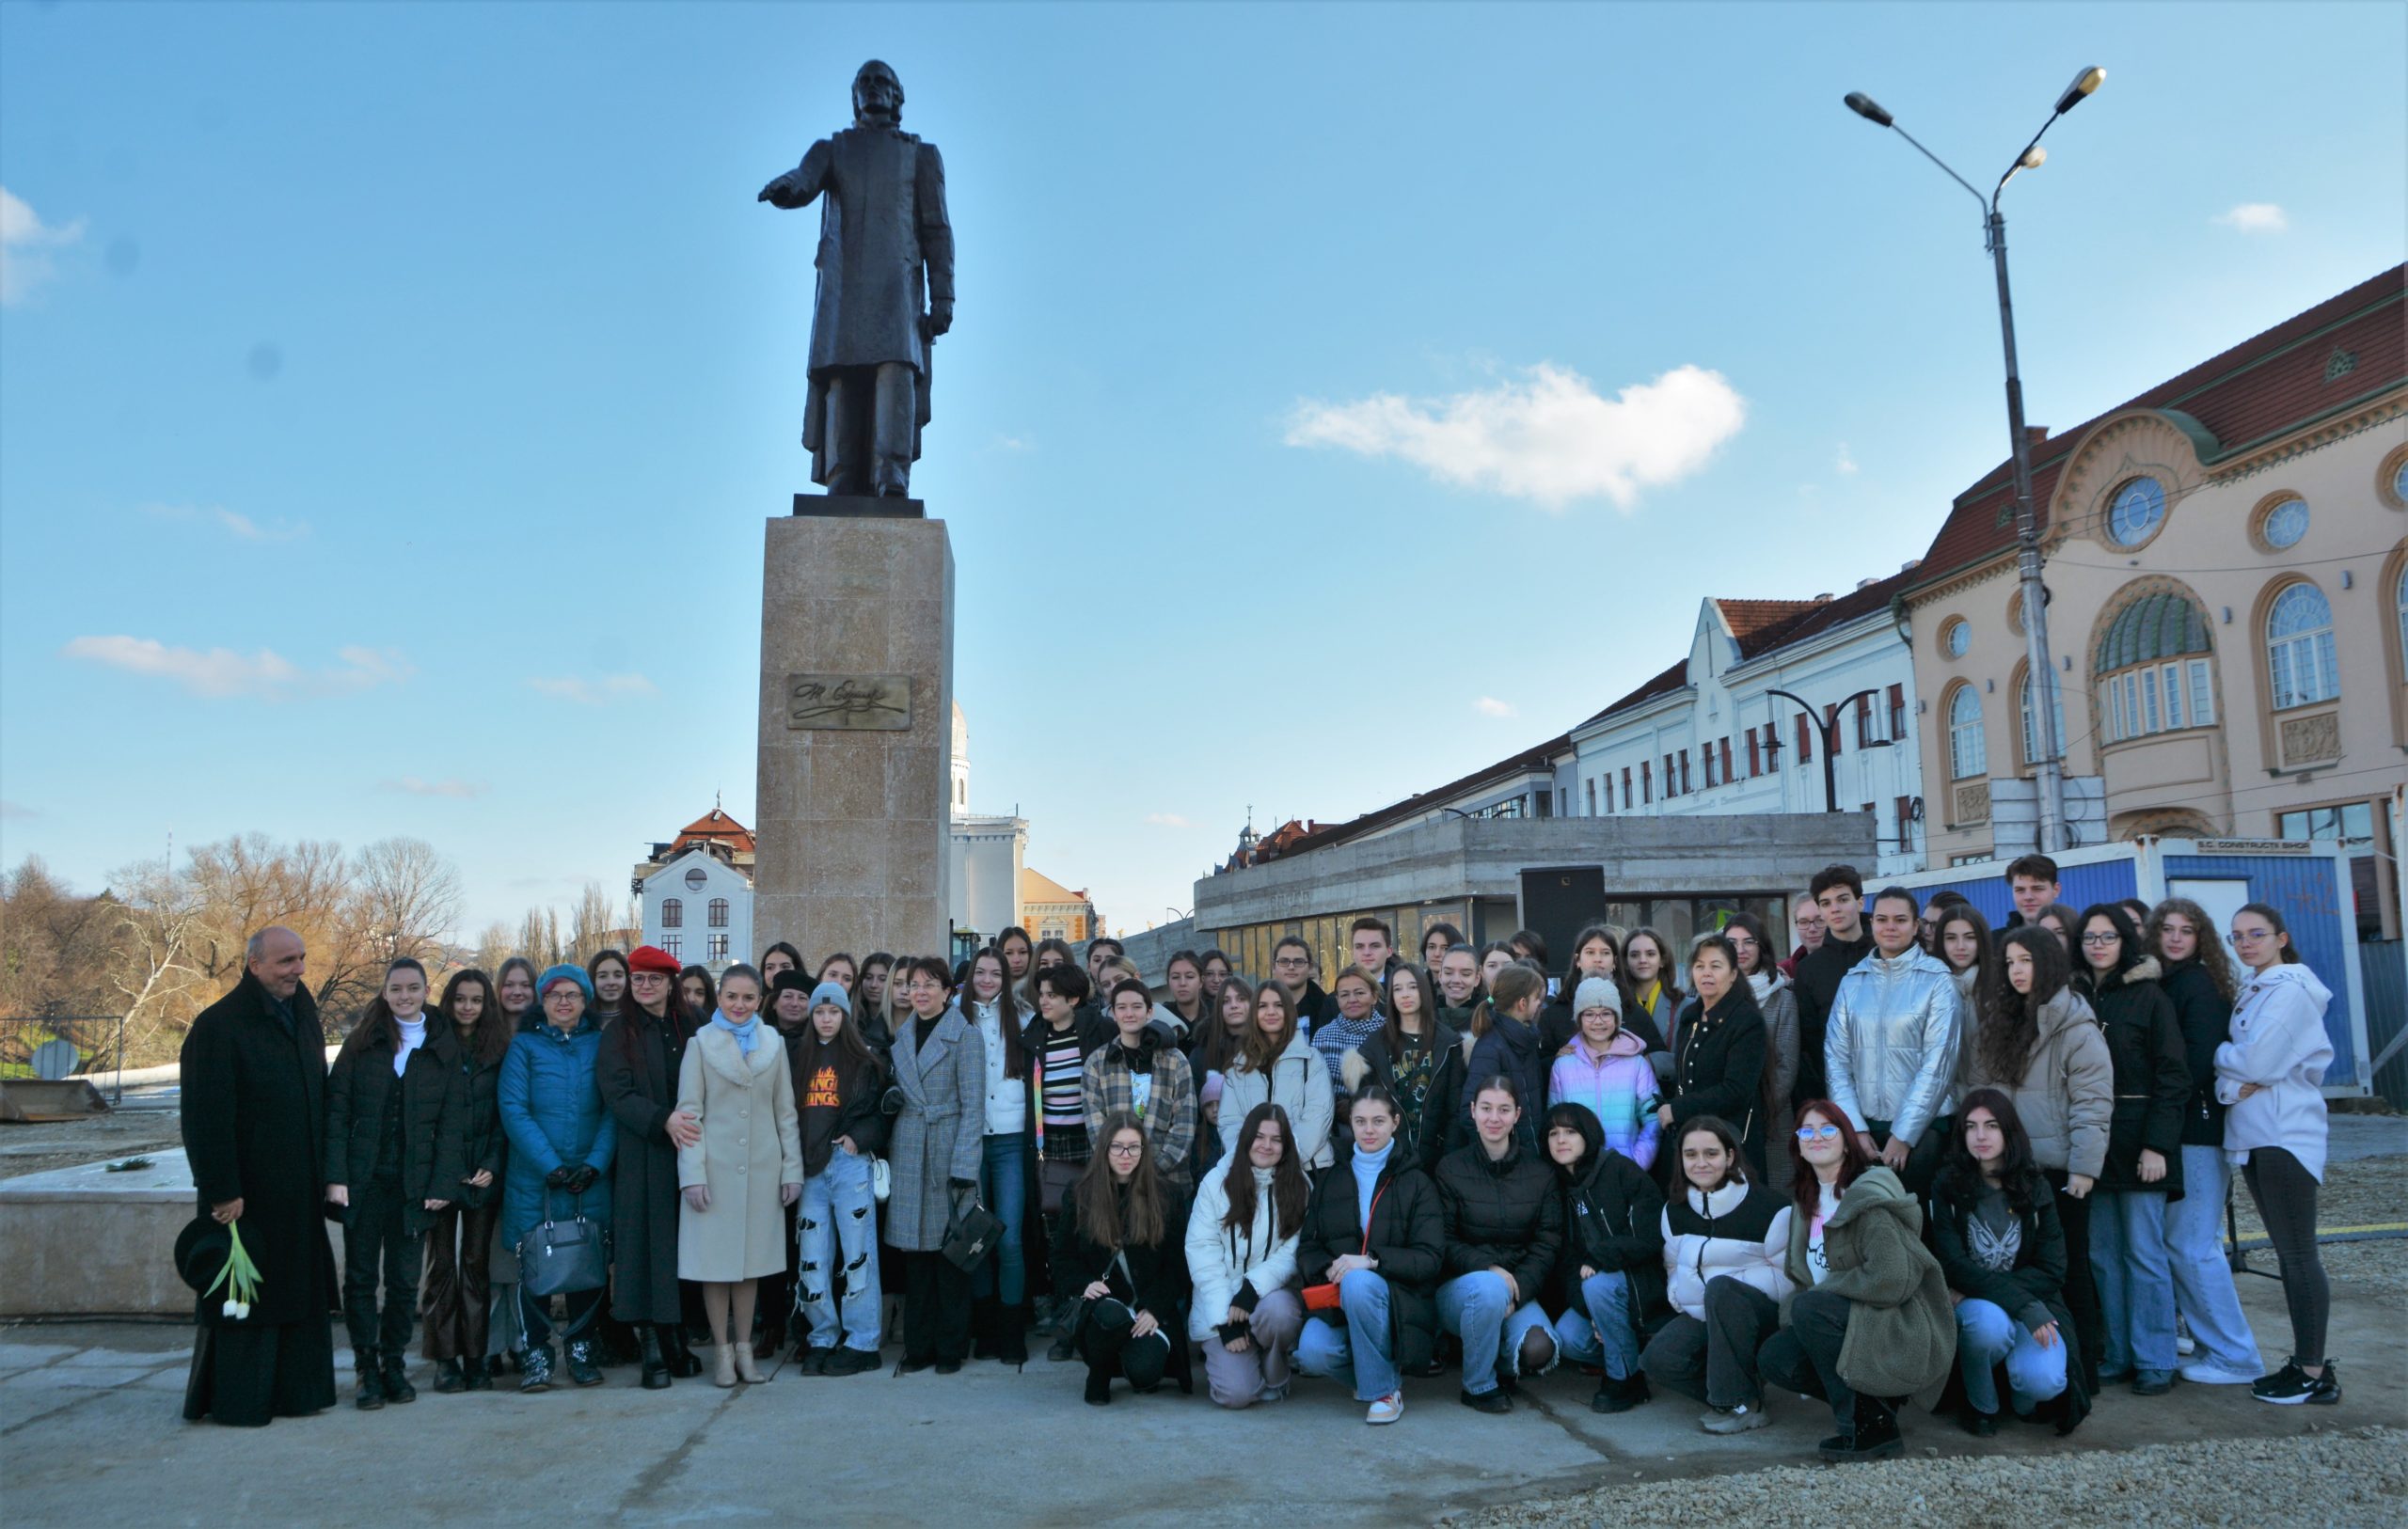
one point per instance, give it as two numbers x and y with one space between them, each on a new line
876 703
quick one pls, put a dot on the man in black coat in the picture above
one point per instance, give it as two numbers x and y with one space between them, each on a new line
254 1082
1839 892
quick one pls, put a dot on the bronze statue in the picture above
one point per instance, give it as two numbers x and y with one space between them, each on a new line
885 290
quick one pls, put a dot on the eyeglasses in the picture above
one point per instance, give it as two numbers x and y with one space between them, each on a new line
1291 961
2101 939
2249 937
1126 1149
1818 1133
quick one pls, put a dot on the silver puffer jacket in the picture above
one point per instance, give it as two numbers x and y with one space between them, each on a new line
1890 1052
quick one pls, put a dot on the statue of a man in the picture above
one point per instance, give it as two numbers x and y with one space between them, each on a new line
885 290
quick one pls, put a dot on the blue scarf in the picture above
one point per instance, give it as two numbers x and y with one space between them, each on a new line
746 1034
1367 1178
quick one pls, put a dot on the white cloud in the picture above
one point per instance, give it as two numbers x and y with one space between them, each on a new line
1491 706
221 672
1844 463
23 236
450 786
1168 820
1549 438
1015 443
14 812
241 526
594 692
2255 217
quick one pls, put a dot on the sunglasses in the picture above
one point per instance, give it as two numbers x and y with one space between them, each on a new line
1818 1133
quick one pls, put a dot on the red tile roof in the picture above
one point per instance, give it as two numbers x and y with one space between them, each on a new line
715 826
2267 385
1752 618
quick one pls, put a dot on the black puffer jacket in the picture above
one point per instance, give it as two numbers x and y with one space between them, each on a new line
2033 1287
1718 1069
357 1091
1613 1222
1502 1212
2152 1082
475 1139
1817 982
2204 1017
1409 1238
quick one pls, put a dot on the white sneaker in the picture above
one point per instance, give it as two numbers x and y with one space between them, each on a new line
2210 1374
1386 1409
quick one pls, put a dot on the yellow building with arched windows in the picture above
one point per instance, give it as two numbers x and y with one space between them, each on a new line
2228 576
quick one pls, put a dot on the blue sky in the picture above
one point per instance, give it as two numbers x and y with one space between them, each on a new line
1340 397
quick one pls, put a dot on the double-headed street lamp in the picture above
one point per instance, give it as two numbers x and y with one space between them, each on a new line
2027 536
1828 727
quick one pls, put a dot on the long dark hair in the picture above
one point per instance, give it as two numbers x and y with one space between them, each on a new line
2011 1025
1109 1216
1985 962
1392 1032
1288 1188
1805 1184
625 971
1203 999
1261 1050
2129 950
502 974
1960 1178
376 1021
1006 1009
1767 959
1667 970
1612 935
783 948
710 996
1219 1047
490 1039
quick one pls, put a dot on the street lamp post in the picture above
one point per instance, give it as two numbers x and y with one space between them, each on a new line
2050 765
1828 729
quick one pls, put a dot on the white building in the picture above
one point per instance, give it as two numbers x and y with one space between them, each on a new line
1708 735
697 893
987 849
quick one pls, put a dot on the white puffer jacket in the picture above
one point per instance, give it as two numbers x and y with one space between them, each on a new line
1729 1231
1219 1259
2279 1043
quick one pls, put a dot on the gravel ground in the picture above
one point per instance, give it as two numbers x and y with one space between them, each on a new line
2368 1191
2358 1476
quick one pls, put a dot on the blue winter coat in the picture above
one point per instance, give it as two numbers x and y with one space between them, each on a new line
553 1114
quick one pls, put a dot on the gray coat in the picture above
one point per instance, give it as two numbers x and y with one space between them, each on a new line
940 1133
2067 1095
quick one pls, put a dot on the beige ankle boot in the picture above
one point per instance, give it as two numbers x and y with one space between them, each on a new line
725 1374
746 1370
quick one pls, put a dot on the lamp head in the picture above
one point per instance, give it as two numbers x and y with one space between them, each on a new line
2032 158
2084 84
1870 109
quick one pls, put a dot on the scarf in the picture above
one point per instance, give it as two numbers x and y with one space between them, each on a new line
747 1034
1762 984
1650 995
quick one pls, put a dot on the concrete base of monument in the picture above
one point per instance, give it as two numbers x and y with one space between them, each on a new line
87 1243
856 734
860 507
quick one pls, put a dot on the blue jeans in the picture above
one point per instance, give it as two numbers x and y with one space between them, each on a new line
1985 1335
838 1214
1600 1330
2202 1280
1361 1348
1003 1182
2135 1282
1476 1308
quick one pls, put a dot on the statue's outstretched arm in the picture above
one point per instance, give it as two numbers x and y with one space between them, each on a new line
799 186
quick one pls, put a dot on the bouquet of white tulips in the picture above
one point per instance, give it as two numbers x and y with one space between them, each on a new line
240 1277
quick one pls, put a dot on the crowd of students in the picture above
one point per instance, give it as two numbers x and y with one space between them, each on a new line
1913 1164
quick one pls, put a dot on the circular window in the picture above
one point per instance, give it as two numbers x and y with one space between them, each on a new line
2282 523
1955 637
2136 510
2391 484
696 879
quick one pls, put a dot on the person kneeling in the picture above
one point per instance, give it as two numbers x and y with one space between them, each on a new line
1723 1244
1870 1322
1608 1286
1119 1247
1504 1227
1994 1227
1241 1257
1375 1241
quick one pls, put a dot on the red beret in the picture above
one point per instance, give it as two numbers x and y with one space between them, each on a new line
652 958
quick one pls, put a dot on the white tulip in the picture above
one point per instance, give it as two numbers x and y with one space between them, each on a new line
233 1309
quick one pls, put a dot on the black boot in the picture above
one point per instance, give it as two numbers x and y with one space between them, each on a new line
448 1379
984 1327
480 1375
370 1394
1620 1396
581 1369
1873 1433
397 1379
535 1368
1011 1334
677 1353
656 1367
1099 1393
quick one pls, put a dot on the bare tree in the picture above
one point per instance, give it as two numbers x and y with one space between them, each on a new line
594 923
161 919
495 946
56 948
404 894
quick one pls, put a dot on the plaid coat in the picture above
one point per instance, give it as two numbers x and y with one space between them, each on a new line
1108 1084
940 1133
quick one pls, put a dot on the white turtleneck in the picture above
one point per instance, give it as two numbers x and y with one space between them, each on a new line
412 1036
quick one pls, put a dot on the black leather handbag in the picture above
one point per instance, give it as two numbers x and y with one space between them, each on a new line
970 1234
560 1257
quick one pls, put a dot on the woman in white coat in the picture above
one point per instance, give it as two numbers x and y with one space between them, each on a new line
1242 1258
2271 1075
1278 1066
745 1168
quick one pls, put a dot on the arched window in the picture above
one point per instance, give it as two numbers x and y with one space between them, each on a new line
719 913
2399 598
2057 711
1966 754
672 913
2151 672
2298 648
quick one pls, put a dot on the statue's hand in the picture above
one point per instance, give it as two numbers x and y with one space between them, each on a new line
939 318
779 190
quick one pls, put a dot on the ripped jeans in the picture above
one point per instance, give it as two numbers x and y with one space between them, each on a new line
838 1219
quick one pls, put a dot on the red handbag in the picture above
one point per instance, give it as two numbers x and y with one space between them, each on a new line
1323 1297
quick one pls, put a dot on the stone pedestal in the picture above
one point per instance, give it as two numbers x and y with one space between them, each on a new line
856 735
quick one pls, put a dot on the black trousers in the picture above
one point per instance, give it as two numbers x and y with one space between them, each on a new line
1715 1359
1923 1158
1804 1356
1104 1342
376 1240
2081 1287
936 1309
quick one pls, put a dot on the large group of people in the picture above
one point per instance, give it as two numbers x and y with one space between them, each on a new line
1914 1164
